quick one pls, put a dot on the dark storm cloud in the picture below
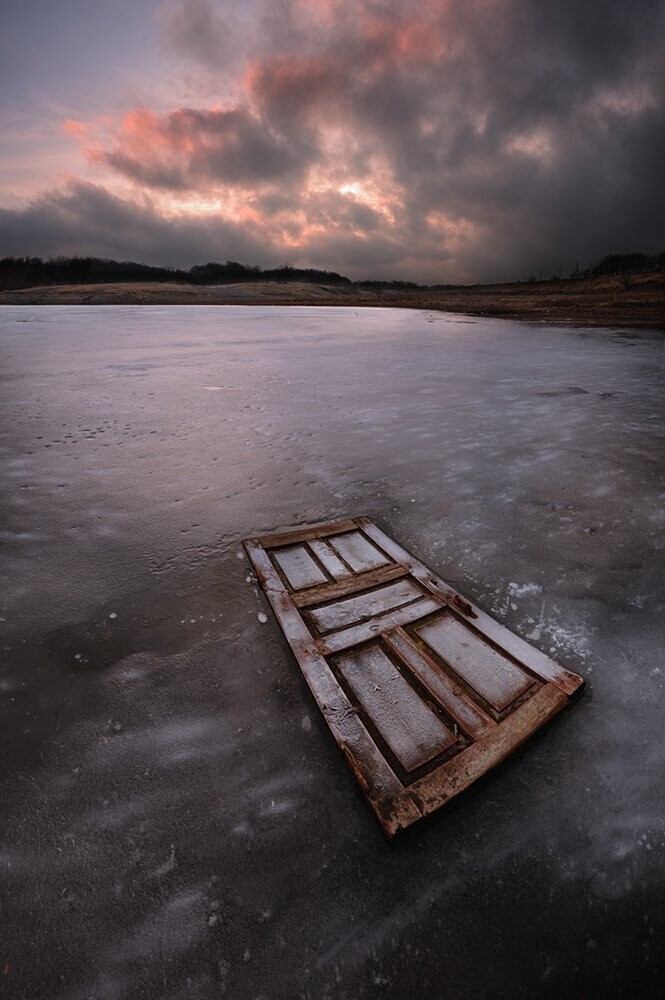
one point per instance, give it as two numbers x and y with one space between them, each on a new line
442 140
189 149
85 219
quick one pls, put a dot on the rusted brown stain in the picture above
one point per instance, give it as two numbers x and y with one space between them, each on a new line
428 720
463 606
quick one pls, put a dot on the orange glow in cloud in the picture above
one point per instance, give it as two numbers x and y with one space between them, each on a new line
78 130
293 85
198 162
454 234
401 134
409 41
536 143
140 131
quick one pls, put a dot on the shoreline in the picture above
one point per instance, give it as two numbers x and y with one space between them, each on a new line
638 301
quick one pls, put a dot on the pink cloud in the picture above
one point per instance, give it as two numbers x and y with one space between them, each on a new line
423 134
191 149
292 86
78 130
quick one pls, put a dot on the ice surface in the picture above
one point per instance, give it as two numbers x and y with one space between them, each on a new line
127 486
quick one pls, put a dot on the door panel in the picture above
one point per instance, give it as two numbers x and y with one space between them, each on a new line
423 691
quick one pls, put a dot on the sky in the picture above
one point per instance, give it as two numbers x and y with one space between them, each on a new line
429 140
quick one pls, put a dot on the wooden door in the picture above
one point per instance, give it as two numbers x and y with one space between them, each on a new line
423 692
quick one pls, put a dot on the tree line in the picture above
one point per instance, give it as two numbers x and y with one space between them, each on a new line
627 263
29 272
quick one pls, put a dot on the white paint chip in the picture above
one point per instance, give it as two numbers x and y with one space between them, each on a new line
262 618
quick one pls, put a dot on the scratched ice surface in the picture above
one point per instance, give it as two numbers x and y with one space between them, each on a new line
177 820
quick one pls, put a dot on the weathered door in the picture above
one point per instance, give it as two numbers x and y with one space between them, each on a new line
423 691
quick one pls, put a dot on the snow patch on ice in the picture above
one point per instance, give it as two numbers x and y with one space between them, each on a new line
524 589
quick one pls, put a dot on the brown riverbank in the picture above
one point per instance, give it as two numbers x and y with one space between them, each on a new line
637 301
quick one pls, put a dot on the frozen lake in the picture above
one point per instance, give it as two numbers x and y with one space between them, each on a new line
178 821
